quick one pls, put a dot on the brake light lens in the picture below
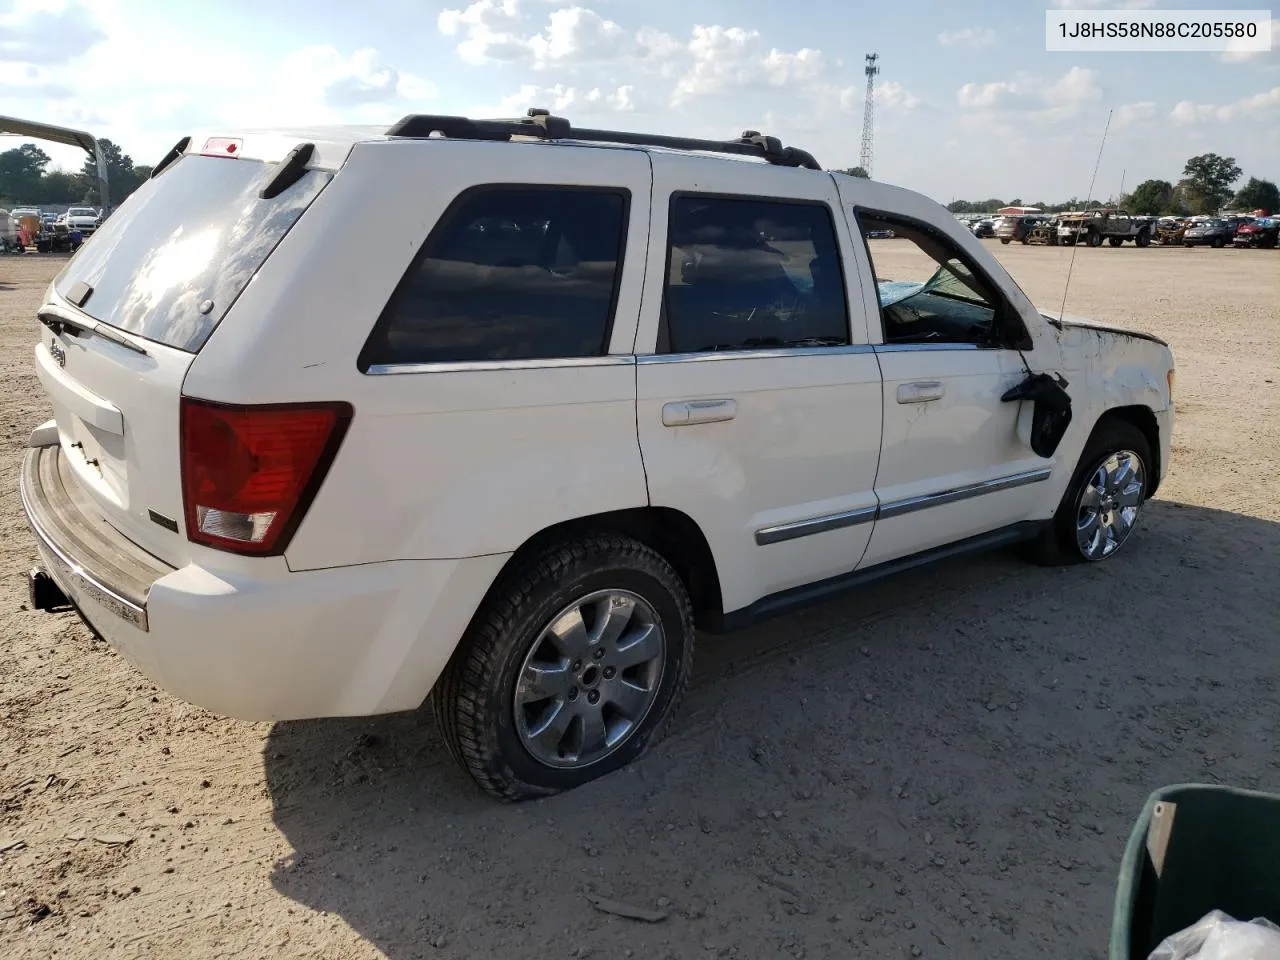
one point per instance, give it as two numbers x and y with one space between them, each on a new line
222 147
249 473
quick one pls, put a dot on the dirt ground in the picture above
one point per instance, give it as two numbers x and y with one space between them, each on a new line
947 765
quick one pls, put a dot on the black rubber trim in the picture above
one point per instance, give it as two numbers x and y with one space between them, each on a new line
177 150
288 171
788 600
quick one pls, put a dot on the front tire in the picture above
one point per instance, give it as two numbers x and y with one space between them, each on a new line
1103 502
570 668
1093 238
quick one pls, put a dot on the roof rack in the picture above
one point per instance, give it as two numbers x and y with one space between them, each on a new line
541 125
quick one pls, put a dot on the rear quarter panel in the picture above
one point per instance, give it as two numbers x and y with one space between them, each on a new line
459 461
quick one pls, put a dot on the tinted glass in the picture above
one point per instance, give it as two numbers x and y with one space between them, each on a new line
511 273
752 273
197 232
928 294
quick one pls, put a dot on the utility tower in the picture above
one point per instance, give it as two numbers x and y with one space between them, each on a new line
869 113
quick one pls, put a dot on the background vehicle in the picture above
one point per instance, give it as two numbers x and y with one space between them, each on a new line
1093 227
985 227
83 219
626 412
1169 230
1261 232
1214 233
8 234
1008 229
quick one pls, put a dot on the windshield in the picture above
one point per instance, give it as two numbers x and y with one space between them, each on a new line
168 264
82 212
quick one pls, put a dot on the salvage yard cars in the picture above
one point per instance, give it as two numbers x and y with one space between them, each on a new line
511 470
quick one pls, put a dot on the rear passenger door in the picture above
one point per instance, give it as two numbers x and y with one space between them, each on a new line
758 395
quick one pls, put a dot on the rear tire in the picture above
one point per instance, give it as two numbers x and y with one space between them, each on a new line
489 703
1218 243
1143 239
1112 438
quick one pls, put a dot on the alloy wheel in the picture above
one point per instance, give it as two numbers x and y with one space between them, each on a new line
1109 504
589 679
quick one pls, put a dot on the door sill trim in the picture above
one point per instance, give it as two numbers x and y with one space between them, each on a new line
786 601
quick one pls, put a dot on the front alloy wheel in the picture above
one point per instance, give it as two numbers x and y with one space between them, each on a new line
1109 504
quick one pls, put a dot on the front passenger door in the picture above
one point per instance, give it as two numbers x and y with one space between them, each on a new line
952 465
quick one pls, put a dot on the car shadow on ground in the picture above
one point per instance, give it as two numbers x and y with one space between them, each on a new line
949 761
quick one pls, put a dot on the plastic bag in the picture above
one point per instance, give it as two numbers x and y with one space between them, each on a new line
1217 936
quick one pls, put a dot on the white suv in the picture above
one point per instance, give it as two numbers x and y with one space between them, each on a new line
499 411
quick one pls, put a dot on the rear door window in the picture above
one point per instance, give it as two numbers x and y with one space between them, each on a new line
509 273
748 274
171 261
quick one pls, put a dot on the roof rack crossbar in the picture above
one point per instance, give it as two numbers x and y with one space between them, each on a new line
541 125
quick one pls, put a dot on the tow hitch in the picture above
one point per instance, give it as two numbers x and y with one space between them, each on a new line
44 593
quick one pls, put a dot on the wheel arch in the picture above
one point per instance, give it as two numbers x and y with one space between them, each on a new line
1144 419
672 533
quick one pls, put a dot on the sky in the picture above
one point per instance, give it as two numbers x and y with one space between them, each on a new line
969 103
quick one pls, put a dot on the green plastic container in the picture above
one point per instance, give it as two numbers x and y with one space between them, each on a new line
1222 852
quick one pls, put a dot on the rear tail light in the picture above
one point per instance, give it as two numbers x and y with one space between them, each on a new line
249 473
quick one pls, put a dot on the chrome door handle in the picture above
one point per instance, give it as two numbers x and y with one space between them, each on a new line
682 412
922 391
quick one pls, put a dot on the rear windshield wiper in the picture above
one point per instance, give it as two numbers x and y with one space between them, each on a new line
63 321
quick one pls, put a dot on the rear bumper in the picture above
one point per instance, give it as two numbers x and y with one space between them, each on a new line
346 641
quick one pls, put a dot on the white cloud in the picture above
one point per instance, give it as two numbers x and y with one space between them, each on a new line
1249 108
359 79
1131 114
967 37
1032 94
499 31
895 96
485 30
1077 85
37 32
1234 53
724 59
559 98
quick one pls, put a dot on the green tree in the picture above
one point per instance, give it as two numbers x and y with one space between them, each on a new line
1209 180
1259 195
20 171
1151 198
122 176
58 186
856 172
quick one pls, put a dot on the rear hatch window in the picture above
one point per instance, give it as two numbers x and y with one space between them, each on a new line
171 261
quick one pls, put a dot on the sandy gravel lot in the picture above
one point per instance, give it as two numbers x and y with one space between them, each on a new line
943 766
